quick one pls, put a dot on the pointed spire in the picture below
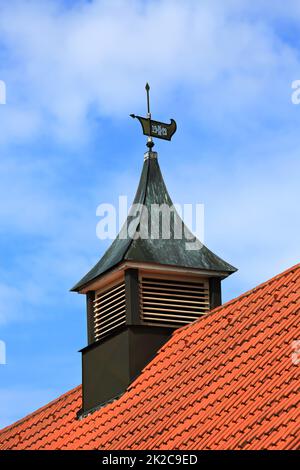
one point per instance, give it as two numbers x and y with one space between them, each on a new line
152 191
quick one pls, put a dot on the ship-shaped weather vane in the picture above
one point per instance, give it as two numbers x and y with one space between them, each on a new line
152 128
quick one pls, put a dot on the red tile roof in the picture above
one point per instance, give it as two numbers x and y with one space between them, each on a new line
227 381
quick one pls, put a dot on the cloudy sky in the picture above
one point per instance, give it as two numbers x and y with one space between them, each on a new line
74 71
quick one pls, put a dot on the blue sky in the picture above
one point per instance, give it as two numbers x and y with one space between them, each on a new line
74 71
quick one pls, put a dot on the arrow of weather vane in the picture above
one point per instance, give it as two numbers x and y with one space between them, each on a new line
152 128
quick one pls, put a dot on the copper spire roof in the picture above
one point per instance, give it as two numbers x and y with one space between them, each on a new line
152 190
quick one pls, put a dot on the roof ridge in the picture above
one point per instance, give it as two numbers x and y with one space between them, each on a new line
239 297
260 286
39 410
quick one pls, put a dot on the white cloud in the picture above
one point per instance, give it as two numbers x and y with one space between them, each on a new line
10 300
97 55
224 67
251 207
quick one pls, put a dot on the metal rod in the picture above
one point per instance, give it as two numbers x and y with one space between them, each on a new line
147 87
150 142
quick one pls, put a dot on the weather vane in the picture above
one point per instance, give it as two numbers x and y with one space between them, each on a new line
152 128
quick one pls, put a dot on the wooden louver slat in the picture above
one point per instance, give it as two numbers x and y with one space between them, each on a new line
109 311
173 302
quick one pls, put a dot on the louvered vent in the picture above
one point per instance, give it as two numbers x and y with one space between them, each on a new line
173 302
109 310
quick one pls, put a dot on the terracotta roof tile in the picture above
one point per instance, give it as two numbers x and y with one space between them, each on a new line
226 381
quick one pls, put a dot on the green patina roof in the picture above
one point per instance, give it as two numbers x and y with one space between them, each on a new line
172 251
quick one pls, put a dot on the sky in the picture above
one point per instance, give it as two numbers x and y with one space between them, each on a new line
74 71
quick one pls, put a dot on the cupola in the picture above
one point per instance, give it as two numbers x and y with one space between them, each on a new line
146 285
